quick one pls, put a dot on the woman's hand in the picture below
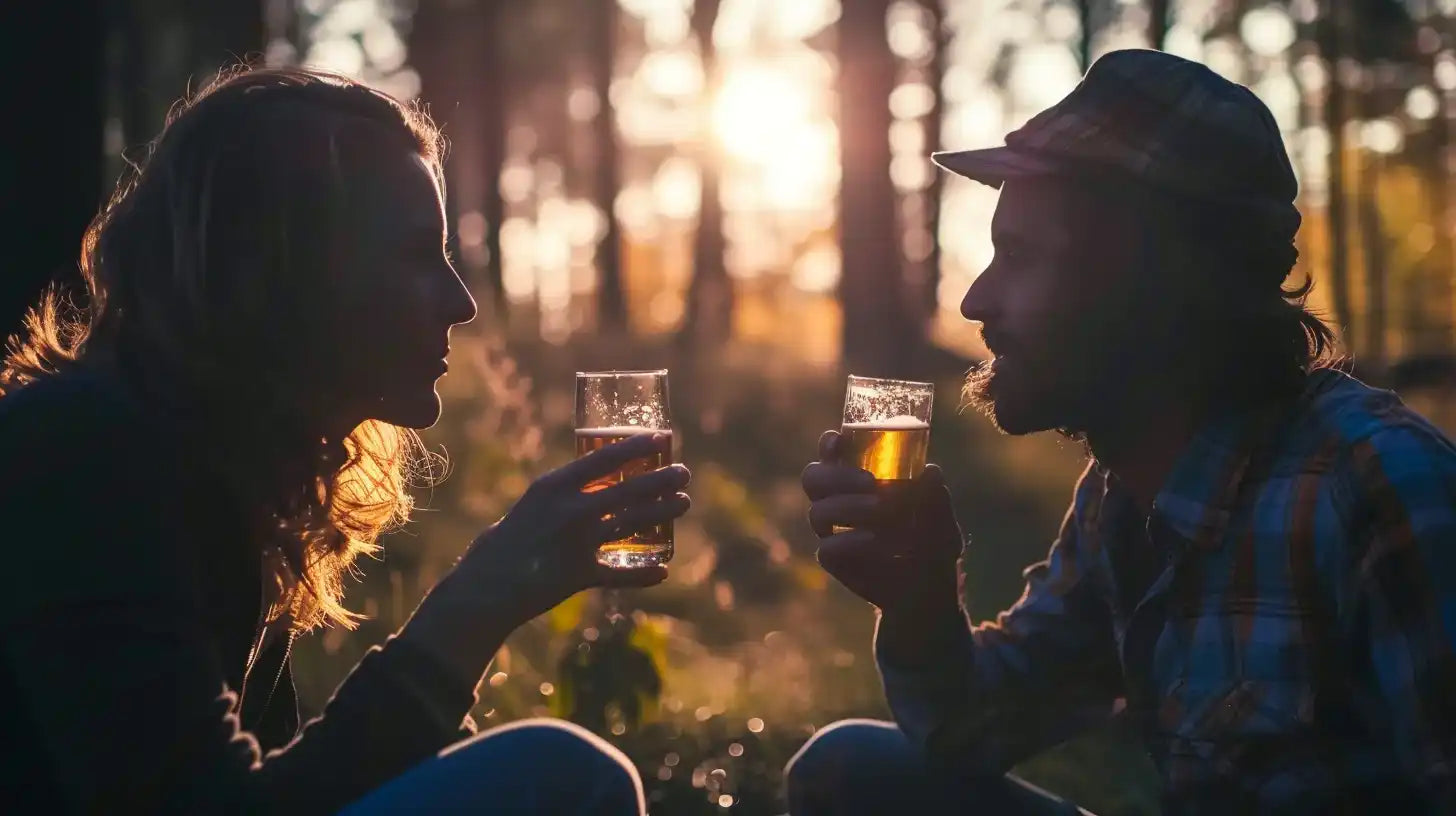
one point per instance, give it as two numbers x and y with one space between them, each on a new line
544 551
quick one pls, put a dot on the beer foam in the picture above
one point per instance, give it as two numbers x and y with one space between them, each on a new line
621 430
904 422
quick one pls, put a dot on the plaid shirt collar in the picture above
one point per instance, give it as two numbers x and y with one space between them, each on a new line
1200 493
1198 496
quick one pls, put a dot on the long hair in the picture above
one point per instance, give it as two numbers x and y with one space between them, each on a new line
204 275
1247 326
1242 332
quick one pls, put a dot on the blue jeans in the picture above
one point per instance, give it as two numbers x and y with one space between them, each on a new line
858 767
547 767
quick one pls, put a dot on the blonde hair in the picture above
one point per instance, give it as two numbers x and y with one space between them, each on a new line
198 273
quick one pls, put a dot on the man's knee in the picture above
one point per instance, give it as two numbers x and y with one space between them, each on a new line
867 766
845 755
576 757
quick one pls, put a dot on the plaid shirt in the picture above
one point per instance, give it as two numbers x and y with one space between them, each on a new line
1297 651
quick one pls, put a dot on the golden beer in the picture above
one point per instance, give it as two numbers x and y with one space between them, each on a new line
650 547
886 431
891 449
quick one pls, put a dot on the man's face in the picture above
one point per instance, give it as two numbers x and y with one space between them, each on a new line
1057 308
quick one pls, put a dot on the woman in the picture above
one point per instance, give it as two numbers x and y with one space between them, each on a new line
189 467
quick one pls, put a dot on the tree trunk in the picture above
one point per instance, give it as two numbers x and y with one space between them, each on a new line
455 48
1372 240
934 121
1335 116
877 337
611 294
223 34
709 314
137 35
1443 214
172 48
1372 237
54 180
494 119
434 47
1084 43
1157 23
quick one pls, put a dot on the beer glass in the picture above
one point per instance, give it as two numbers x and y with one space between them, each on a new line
886 430
612 406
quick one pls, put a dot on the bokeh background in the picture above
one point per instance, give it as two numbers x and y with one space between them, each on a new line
739 190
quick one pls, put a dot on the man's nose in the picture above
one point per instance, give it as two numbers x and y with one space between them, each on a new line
982 303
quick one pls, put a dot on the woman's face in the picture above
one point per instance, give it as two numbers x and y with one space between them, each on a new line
397 296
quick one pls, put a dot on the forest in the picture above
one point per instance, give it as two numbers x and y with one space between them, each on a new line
739 191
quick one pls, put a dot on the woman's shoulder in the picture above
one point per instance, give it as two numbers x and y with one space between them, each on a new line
82 412
83 489
79 439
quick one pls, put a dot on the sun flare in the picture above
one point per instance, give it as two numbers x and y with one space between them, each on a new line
758 111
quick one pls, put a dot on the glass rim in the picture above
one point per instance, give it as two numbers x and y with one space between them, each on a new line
603 375
855 378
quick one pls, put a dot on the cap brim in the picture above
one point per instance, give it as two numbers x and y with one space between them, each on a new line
993 165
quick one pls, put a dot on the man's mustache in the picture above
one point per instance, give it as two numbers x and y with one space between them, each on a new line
996 341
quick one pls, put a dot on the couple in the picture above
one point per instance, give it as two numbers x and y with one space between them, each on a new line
1258 568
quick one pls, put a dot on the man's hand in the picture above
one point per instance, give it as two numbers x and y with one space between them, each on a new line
901 551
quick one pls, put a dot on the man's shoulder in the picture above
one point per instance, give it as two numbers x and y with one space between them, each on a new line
1363 439
1343 413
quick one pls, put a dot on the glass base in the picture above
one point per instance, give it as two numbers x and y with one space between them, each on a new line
629 556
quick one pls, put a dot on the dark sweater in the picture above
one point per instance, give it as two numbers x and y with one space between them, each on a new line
128 619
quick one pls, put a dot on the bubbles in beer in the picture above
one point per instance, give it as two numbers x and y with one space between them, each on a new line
904 422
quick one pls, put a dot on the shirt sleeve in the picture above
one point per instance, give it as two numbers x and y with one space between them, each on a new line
121 682
1044 670
1404 604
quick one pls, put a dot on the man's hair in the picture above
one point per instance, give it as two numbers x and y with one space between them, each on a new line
204 274
1242 332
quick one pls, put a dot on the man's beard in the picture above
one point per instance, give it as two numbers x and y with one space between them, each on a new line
1070 381
1021 396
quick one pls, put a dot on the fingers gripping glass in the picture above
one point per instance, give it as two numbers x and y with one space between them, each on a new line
616 405
886 429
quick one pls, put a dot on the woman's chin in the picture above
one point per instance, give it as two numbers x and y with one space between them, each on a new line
416 411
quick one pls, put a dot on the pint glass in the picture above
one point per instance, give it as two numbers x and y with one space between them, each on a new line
886 429
612 406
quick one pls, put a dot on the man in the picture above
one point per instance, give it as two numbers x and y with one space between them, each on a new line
1259 565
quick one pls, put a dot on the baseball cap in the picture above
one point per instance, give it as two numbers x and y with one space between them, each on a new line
1169 123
